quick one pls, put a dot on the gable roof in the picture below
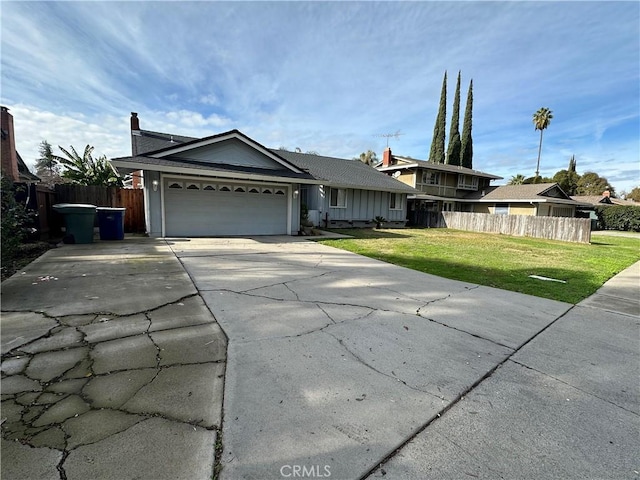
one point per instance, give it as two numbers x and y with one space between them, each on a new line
24 172
161 151
602 200
175 148
343 173
403 163
536 192
145 141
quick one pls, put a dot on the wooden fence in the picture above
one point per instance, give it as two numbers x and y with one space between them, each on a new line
565 229
131 199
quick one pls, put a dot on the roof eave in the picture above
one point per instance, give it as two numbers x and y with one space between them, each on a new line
232 134
135 166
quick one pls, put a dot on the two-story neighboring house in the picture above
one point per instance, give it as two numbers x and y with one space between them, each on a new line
450 188
442 187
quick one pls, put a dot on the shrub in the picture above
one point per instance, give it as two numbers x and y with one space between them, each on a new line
619 217
14 221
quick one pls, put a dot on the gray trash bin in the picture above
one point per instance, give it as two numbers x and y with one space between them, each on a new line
79 219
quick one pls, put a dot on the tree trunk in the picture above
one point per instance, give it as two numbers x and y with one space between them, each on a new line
539 150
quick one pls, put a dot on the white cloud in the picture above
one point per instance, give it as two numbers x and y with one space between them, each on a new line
328 76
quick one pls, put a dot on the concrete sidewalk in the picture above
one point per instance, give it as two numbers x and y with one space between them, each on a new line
112 367
566 405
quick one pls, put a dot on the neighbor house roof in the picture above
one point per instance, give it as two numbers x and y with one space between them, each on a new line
406 163
24 172
537 192
602 200
152 147
339 172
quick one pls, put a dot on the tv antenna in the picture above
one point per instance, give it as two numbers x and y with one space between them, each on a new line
389 135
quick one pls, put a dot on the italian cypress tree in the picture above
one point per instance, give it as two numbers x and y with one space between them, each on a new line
437 153
572 164
455 146
466 155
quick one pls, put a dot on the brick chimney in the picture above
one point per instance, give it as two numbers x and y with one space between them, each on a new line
606 193
9 155
386 157
135 123
136 177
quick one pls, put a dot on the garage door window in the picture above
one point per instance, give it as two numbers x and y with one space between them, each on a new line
175 185
239 190
193 186
279 191
225 188
254 190
267 191
209 187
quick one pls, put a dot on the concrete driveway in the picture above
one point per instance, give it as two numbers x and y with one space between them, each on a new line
337 366
343 366
112 367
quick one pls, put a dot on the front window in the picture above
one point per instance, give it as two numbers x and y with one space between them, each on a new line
395 201
501 209
338 198
467 182
431 178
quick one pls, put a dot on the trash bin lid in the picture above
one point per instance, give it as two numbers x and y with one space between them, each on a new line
111 209
62 206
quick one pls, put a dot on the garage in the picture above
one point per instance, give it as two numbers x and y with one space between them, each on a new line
216 207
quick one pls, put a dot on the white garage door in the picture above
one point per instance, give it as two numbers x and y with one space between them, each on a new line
208 209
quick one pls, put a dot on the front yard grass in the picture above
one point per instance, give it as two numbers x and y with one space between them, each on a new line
499 261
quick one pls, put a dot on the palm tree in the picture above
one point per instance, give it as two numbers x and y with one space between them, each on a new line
516 180
369 157
86 170
541 120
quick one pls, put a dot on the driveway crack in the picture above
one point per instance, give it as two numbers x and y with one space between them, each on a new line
466 332
363 362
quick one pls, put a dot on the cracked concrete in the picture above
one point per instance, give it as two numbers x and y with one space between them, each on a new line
334 361
114 386
338 360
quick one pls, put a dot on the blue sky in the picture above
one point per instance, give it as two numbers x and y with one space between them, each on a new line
332 76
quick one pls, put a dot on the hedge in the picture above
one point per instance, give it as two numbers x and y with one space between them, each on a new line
619 217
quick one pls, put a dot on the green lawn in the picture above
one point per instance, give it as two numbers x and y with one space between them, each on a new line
500 261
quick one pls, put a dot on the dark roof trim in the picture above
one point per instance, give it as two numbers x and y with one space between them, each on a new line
209 169
412 163
201 142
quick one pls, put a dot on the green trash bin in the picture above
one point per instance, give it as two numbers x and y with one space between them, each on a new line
79 219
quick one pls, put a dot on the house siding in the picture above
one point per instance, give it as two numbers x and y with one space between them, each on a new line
363 206
521 209
481 208
153 203
231 152
408 178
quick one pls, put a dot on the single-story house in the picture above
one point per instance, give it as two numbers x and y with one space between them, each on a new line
590 202
230 185
539 199
604 199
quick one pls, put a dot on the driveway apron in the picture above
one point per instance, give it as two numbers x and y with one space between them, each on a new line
112 367
335 360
